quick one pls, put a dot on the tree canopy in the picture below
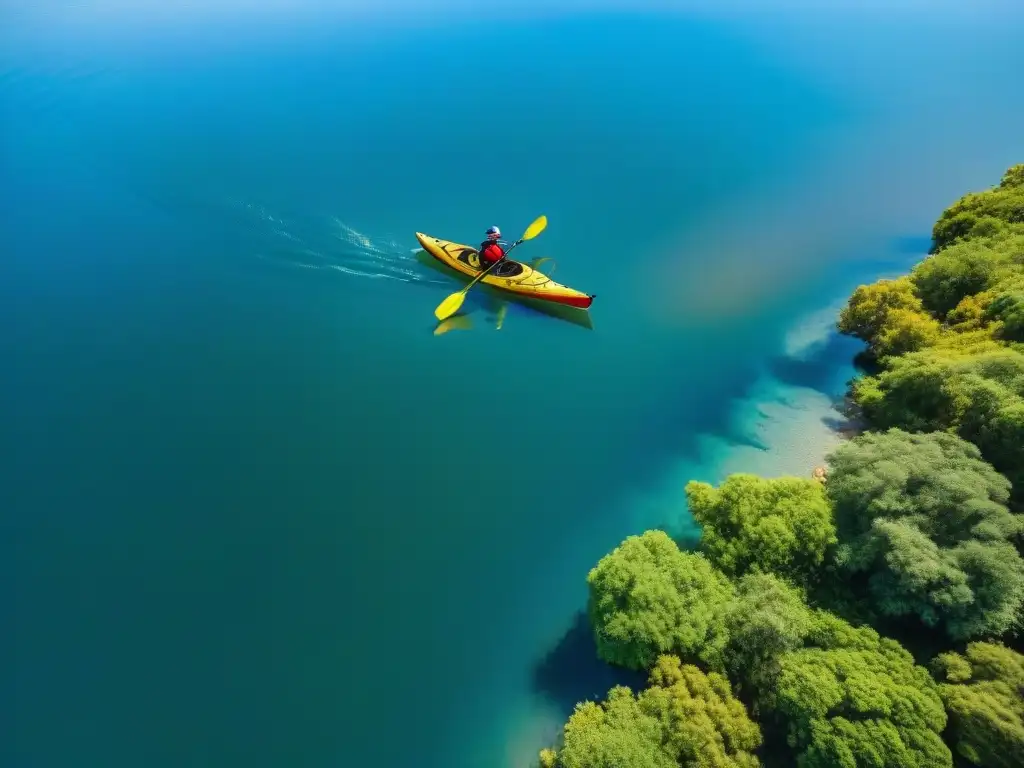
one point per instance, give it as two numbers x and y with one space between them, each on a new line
964 269
648 598
781 526
685 718
844 693
890 317
984 695
978 395
850 707
1007 307
847 696
767 619
938 331
980 213
925 519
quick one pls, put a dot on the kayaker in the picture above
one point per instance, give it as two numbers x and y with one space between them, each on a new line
492 250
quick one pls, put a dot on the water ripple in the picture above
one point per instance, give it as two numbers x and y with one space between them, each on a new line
333 245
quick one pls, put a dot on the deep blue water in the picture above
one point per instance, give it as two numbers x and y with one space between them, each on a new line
254 511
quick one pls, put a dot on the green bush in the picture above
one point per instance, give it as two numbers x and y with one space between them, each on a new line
648 598
685 718
781 526
924 519
1005 204
860 701
984 697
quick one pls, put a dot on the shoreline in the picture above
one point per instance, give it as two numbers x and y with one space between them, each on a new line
757 438
842 584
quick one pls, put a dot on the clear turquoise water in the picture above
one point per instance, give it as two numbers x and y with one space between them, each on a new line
254 511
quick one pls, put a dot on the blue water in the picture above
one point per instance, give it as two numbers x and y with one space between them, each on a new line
255 512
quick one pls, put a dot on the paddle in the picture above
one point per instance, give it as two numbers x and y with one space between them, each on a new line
451 305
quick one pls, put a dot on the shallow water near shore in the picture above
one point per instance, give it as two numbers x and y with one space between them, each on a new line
255 509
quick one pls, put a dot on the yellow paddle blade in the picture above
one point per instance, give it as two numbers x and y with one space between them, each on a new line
449 306
536 228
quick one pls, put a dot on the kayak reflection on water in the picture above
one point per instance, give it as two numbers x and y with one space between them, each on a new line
464 322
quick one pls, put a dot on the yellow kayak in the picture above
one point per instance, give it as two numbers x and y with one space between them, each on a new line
512 276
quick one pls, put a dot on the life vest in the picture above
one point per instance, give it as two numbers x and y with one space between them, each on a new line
490 252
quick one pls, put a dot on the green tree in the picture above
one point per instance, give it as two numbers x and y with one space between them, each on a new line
1008 307
993 419
925 520
906 331
767 619
888 316
868 308
978 395
781 526
1004 203
846 696
972 313
861 706
999 432
965 269
648 598
685 718
609 735
917 392
1014 177
984 697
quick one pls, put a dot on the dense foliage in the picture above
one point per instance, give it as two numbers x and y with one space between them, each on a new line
843 693
685 718
648 598
861 701
889 316
965 269
984 695
915 529
950 336
781 526
924 518
983 214
767 619
979 396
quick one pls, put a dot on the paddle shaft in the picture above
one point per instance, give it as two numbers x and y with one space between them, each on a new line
451 305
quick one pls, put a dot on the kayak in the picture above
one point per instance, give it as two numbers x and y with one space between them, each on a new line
511 276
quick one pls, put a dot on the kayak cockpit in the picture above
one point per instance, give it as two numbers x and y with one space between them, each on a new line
471 258
507 269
